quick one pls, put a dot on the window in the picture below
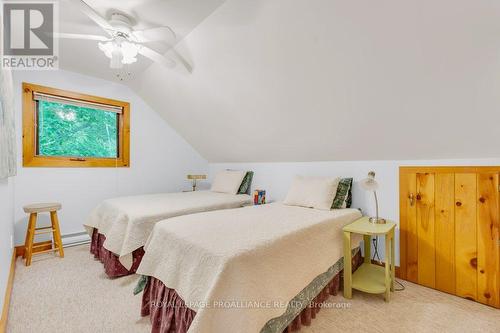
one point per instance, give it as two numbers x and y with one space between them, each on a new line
66 129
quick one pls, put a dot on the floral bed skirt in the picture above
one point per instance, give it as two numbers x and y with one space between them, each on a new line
112 265
169 313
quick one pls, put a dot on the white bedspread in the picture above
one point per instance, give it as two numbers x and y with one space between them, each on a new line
257 257
127 222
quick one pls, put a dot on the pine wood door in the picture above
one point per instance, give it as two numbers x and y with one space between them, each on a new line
449 222
488 291
444 231
426 272
466 235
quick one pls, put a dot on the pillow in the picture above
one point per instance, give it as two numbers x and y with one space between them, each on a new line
246 183
227 181
312 192
343 198
348 202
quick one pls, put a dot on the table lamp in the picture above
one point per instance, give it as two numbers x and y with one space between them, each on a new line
194 178
370 184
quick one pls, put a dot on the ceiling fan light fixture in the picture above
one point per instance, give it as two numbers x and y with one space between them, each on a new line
120 53
107 48
116 59
124 42
129 51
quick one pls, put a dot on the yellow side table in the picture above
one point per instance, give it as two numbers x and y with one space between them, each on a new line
368 277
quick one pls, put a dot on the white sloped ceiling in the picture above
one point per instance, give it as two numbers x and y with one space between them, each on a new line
296 80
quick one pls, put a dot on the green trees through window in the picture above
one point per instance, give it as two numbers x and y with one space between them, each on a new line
73 131
69 129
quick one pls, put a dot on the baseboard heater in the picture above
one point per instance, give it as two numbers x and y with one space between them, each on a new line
74 239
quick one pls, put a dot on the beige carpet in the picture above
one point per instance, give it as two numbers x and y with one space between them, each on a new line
416 309
74 295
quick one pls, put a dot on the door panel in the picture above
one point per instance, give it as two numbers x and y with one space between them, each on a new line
445 232
408 228
450 233
465 235
425 230
487 239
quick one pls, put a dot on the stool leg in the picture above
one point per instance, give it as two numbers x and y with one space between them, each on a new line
30 220
30 236
56 233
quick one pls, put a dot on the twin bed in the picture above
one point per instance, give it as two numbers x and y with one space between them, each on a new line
119 227
250 269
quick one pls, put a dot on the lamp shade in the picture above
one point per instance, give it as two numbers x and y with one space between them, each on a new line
196 177
369 183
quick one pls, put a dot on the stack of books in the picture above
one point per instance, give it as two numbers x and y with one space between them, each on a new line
259 197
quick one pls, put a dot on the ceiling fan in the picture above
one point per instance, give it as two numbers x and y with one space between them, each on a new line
123 43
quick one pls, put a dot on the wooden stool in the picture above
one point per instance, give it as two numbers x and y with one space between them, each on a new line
32 230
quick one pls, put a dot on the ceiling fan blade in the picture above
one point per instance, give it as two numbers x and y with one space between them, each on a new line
63 35
156 57
179 58
164 34
92 14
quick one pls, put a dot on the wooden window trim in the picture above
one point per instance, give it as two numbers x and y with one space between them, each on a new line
30 159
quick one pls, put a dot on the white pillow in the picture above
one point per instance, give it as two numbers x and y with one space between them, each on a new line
228 181
312 192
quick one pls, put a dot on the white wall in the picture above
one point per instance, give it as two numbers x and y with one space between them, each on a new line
276 178
6 205
6 231
160 158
